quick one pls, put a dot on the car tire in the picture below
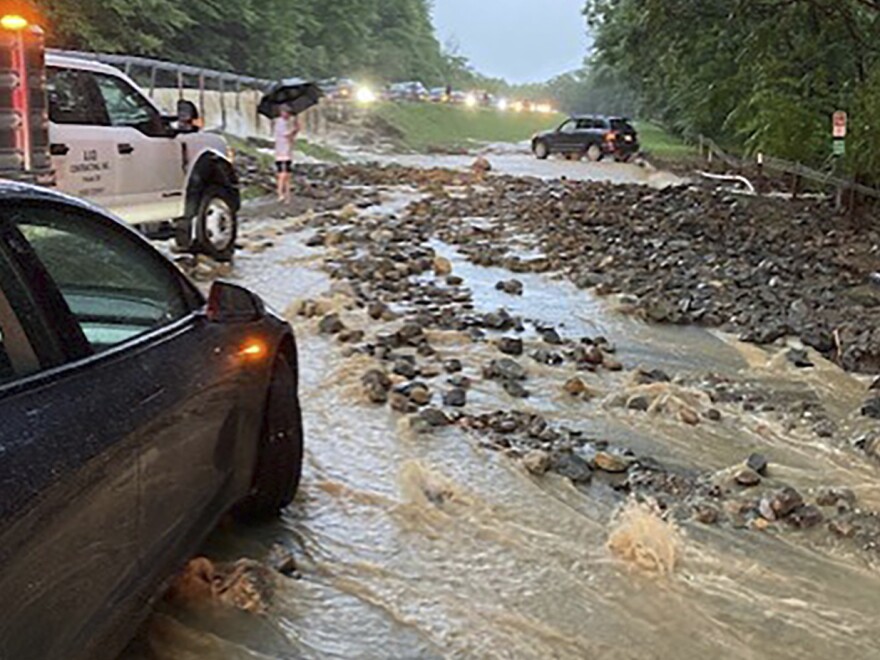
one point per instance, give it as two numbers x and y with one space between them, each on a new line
280 454
542 151
594 153
216 224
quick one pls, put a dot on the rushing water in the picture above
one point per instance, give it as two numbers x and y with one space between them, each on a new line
423 546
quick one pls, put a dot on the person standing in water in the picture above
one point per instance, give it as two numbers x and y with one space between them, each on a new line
286 129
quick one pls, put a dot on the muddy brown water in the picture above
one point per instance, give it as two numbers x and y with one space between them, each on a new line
432 546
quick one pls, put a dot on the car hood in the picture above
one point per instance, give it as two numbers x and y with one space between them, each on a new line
543 134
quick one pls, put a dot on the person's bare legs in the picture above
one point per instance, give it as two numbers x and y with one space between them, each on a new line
287 185
281 185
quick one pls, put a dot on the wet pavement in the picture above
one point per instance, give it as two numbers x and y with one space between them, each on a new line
449 541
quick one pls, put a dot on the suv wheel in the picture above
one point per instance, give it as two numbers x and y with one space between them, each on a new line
216 224
280 453
594 153
542 151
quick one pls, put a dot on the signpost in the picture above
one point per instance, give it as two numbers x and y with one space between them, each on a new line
838 132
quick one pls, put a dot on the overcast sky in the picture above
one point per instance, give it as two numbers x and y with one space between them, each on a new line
520 40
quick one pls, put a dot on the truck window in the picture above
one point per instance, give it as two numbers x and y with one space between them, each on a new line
74 98
126 106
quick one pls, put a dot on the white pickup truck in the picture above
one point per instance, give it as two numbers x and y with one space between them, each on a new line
110 144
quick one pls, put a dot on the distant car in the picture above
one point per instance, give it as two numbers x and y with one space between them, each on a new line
408 91
339 89
592 136
134 415
438 95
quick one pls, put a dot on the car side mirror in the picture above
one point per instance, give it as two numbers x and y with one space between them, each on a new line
187 116
230 303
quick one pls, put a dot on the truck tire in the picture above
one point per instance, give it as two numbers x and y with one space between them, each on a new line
594 153
280 452
216 224
542 151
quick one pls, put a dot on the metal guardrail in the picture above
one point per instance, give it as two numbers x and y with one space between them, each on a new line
712 150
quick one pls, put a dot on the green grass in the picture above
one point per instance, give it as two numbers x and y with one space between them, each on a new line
656 141
426 127
252 148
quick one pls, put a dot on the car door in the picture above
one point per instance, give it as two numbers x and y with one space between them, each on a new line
566 136
129 300
83 152
72 427
151 162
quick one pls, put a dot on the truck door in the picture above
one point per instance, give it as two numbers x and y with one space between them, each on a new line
151 161
83 153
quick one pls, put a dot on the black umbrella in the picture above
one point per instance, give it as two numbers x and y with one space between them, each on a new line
296 94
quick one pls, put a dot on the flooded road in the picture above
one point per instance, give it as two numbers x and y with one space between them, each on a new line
414 544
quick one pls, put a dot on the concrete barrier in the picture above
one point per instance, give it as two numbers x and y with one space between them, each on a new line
236 112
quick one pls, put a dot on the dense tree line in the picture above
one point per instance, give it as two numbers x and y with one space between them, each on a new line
382 39
764 75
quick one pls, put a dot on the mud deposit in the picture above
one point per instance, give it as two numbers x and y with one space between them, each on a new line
508 457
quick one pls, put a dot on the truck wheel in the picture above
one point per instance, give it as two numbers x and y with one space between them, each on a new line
594 153
216 224
542 151
280 453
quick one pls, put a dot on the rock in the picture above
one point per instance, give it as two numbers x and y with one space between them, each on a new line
612 463
410 334
406 367
611 364
331 325
455 398
871 408
706 514
572 467
481 165
429 371
842 528
575 386
454 280
401 403
806 516
434 417
350 336
512 287
537 461
747 477
516 390
758 463
589 355
460 380
442 266
378 310
713 415
799 358
545 356
639 402
689 416
378 378
452 366
510 345
505 369
643 377
420 395
875 386
843 498
551 336
784 501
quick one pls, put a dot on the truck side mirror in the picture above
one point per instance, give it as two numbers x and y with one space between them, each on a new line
187 116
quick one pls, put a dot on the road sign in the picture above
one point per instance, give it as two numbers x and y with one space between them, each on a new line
838 121
840 147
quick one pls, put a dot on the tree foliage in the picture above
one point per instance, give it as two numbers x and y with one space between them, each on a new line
765 75
382 39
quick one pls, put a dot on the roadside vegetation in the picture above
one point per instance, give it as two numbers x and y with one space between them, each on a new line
427 127
759 75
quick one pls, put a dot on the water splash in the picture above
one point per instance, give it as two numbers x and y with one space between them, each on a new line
644 539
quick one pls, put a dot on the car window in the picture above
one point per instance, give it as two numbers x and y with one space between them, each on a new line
126 106
74 98
568 127
17 356
116 287
622 125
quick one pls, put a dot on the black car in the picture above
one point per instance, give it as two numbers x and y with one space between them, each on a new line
592 136
133 414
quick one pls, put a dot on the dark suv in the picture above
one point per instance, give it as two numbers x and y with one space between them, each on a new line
592 136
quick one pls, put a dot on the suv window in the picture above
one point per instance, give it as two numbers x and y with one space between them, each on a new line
17 355
569 127
115 287
126 106
622 126
74 98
